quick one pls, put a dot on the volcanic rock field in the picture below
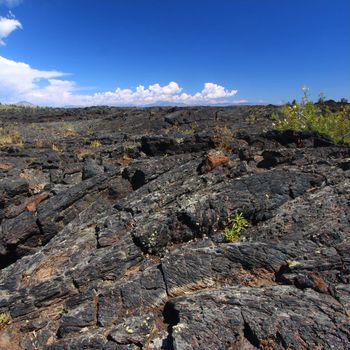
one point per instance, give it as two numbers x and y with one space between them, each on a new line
112 228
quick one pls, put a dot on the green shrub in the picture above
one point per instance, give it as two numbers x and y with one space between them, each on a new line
237 224
306 116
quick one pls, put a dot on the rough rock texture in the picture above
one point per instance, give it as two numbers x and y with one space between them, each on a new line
111 232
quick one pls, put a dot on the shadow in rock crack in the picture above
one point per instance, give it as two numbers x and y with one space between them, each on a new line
171 318
138 180
8 259
251 336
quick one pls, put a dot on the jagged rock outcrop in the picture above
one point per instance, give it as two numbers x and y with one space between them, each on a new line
112 234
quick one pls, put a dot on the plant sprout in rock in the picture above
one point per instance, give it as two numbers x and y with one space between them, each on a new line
95 144
56 148
306 116
126 156
61 311
237 224
4 318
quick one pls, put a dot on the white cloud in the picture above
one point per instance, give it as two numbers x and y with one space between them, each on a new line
216 91
19 81
7 26
10 3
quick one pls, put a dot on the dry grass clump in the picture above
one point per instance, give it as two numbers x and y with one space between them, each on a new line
68 130
56 148
223 138
190 130
10 135
42 143
83 153
95 144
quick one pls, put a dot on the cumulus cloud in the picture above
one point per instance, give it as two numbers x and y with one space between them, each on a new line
216 91
19 81
10 3
7 26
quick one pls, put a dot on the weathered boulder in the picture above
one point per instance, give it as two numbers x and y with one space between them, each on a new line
91 168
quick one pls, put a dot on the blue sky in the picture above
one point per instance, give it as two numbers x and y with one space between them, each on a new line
136 52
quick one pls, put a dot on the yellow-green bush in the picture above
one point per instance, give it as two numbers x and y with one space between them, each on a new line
306 116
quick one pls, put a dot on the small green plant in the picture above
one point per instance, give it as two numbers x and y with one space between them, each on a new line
306 116
61 311
95 144
5 318
321 97
126 156
90 130
56 148
252 118
68 130
237 224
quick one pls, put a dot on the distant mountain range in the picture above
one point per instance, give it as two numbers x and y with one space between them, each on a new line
24 104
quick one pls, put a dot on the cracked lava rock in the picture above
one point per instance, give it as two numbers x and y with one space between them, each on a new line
112 231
